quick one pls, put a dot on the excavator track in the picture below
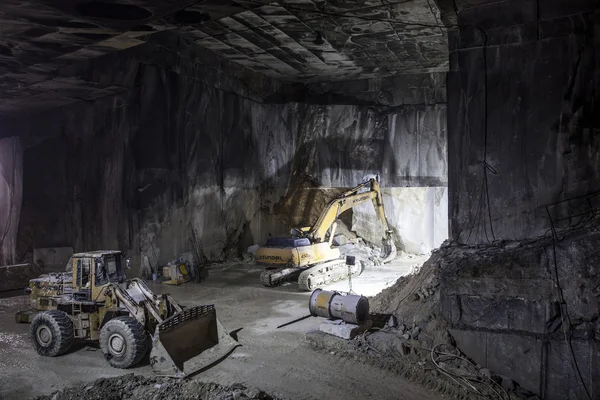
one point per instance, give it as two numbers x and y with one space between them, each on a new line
326 273
275 276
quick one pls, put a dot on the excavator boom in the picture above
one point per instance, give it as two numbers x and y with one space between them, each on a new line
352 199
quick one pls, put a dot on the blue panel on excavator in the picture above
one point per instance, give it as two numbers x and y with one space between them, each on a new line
288 242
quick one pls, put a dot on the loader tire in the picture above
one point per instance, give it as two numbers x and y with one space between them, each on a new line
124 342
52 333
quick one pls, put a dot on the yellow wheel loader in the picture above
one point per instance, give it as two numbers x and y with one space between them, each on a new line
95 302
308 255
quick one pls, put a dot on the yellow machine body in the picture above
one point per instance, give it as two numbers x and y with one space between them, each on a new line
311 246
95 302
296 256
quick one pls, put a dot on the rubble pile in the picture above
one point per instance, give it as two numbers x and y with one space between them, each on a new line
406 327
367 254
412 338
136 387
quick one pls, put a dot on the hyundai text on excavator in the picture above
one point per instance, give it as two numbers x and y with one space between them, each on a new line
308 254
95 302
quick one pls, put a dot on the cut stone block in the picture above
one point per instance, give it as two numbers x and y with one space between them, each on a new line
344 330
52 259
14 277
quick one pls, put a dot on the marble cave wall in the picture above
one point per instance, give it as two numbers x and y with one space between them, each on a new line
523 150
176 164
506 313
171 167
523 93
11 196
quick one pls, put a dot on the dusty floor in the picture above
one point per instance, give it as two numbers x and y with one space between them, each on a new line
275 360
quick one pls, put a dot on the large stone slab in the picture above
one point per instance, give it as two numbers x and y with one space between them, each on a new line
14 277
52 259
418 216
512 355
344 330
563 381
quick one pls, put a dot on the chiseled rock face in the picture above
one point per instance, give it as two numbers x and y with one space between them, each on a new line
504 309
542 97
176 165
11 195
417 215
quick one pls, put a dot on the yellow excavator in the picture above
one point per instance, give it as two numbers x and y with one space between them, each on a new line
309 254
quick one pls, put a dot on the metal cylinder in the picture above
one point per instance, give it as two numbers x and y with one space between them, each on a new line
334 305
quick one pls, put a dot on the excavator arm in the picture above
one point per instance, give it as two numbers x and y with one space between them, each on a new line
309 257
349 200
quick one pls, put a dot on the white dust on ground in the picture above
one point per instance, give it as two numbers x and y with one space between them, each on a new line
375 278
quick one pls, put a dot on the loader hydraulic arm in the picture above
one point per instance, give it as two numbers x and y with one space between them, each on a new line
348 200
120 297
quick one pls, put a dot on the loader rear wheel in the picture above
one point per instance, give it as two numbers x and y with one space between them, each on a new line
52 333
123 341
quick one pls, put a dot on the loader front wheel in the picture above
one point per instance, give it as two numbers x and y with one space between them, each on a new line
52 333
123 341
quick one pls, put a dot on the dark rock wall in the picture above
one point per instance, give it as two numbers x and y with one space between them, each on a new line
141 170
528 75
11 196
523 134
174 164
505 311
78 178
340 145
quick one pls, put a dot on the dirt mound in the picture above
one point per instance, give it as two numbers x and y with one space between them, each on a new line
414 302
135 387
411 338
408 327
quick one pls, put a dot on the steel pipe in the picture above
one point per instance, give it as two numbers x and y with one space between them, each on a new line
351 308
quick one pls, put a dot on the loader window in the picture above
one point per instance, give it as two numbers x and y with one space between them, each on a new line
101 276
83 272
109 270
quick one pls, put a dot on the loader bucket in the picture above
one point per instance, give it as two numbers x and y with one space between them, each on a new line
189 341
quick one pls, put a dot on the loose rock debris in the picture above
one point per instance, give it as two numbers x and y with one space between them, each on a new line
135 387
413 341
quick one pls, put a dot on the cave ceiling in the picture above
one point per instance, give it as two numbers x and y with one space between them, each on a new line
297 41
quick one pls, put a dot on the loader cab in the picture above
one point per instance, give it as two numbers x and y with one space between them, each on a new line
92 271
